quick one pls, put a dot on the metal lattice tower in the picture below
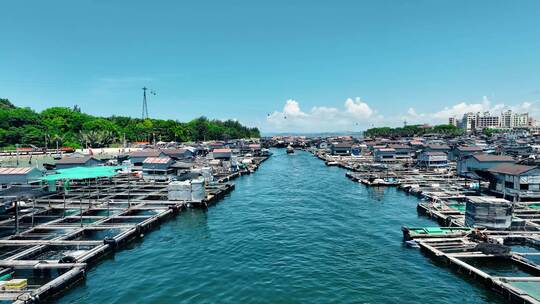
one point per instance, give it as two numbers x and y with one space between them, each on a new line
144 105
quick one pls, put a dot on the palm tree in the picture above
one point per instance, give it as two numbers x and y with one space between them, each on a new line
58 138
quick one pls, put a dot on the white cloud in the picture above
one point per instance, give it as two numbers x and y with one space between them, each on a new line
412 112
461 108
358 108
292 108
355 115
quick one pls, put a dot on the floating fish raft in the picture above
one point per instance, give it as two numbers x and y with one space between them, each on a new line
48 250
469 251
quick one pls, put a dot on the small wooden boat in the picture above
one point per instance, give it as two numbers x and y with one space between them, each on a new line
290 150
410 233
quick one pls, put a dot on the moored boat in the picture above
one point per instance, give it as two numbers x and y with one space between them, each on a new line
290 150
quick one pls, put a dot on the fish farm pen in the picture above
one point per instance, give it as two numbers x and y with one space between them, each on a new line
51 241
493 256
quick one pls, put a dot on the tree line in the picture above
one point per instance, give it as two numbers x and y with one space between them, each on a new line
414 130
69 127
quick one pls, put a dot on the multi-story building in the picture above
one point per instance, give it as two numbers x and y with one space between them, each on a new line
520 120
468 122
507 120
486 120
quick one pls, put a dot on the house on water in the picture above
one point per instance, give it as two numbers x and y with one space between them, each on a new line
432 160
78 161
472 165
158 168
137 157
19 176
516 182
341 149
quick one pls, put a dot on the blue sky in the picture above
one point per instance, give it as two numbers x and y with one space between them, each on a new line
324 65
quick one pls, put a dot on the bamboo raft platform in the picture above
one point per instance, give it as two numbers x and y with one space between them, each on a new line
65 233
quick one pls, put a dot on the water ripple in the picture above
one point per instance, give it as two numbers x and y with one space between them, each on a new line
294 232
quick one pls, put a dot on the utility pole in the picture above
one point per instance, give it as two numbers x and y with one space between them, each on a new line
17 153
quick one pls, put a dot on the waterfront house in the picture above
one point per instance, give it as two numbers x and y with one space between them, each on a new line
516 182
403 152
19 176
253 149
178 153
158 168
416 144
341 148
472 165
78 161
137 157
460 152
384 155
222 153
437 148
432 160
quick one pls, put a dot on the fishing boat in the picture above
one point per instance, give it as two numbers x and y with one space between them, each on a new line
410 233
387 181
290 150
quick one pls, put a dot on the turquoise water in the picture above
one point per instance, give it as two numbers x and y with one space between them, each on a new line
296 231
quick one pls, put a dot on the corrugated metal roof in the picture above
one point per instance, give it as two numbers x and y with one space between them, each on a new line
512 169
342 145
222 150
9 171
435 153
469 148
174 152
74 160
398 146
438 147
157 160
145 153
492 158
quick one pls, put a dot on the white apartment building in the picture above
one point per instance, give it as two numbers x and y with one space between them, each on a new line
507 120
